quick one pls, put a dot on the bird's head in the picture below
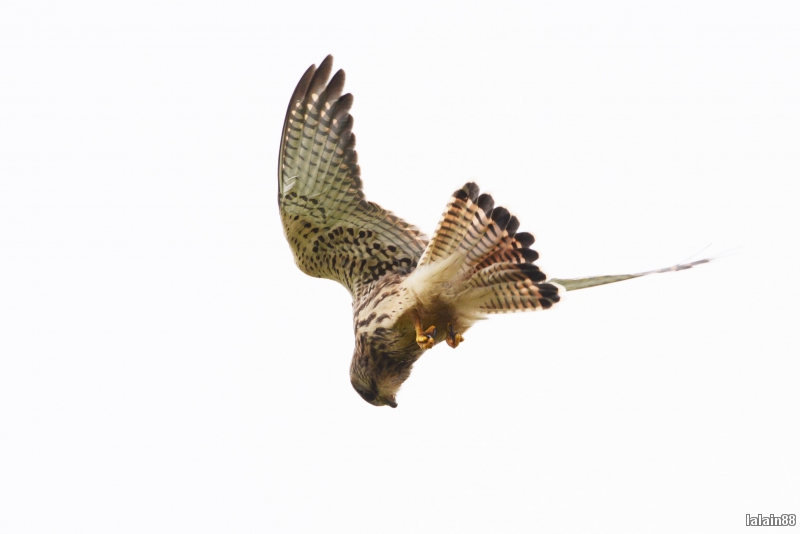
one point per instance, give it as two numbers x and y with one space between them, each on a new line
372 393
378 380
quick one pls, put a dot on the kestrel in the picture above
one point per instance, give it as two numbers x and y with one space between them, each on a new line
409 292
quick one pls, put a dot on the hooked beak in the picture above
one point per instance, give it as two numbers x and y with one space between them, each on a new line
391 402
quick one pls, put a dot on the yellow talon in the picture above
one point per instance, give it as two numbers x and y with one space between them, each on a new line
453 338
424 337
425 342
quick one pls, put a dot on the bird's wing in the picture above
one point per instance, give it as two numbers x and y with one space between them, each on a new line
333 230
572 284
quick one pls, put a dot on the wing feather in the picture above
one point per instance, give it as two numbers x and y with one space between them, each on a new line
334 232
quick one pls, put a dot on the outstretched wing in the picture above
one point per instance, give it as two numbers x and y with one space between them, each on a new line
572 284
333 230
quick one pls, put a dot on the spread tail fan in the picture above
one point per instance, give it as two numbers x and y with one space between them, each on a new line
477 246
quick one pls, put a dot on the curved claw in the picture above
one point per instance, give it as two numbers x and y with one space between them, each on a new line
424 337
425 342
453 338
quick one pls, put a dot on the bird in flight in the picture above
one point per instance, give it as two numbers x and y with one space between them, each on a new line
409 292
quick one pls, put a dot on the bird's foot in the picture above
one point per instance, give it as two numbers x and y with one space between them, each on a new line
425 337
453 337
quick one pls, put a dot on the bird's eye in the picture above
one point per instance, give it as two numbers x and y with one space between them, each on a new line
368 395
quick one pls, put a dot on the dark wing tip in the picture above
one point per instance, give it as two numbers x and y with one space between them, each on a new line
344 104
335 86
320 77
302 86
313 80
326 66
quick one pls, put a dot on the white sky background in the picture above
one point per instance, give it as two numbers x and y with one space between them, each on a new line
164 366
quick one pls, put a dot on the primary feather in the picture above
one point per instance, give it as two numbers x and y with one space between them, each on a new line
409 293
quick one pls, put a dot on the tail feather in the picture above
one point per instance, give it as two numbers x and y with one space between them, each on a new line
485 234
477 248
487 266
516 296
449 234
508 287
506 272
512 248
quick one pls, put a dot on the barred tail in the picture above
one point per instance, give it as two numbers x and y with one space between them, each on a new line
476 246
508 287
477 252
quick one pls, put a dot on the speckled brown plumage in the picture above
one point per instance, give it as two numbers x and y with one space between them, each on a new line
334 232
408 293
